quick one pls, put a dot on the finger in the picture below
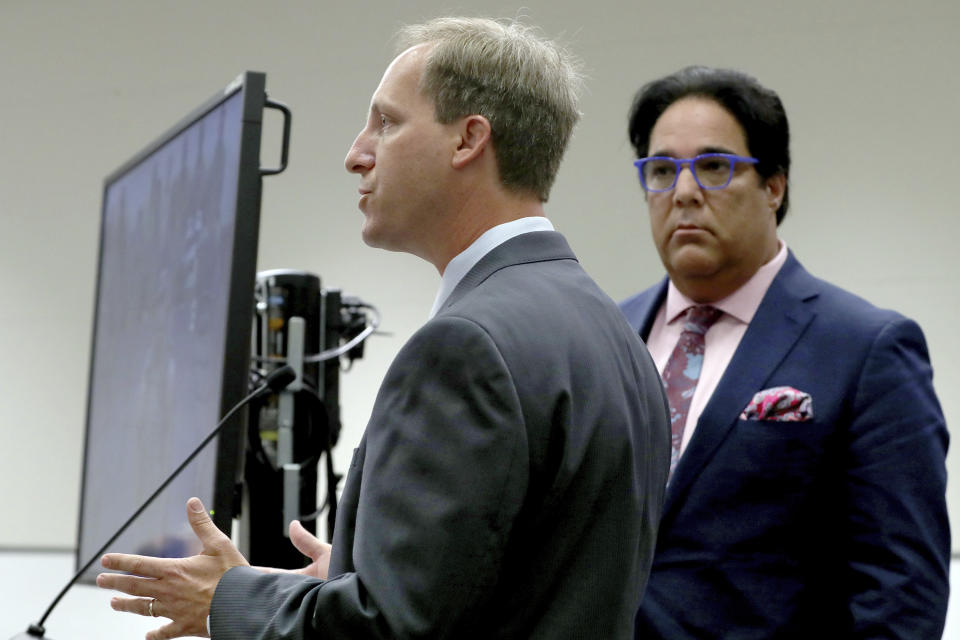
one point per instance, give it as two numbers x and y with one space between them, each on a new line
139 606
130 585
137 565
305 542
203 526
167 631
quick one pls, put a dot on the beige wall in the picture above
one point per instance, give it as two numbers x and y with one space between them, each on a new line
870 87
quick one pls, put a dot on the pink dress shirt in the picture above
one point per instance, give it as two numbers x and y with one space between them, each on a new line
721 339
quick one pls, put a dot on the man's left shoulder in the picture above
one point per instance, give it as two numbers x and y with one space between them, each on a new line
844 308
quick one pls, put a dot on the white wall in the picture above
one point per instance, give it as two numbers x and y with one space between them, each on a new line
870 87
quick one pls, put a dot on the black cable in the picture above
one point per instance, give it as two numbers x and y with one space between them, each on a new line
282 376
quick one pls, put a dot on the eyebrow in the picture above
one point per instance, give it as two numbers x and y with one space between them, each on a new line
375 111
381 107
669 154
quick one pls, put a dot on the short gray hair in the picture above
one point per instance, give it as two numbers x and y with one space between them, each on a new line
526 86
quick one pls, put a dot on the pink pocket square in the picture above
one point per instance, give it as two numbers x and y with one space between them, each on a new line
780 404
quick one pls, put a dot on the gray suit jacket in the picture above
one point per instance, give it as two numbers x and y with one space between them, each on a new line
509 482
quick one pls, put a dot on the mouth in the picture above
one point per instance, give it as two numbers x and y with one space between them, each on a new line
687 231
363 198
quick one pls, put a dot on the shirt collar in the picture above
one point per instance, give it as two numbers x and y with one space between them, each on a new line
743 303
469 257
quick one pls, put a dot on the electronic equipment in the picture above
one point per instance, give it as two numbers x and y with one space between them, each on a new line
291 434
173 313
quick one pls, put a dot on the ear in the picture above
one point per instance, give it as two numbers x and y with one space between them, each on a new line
776 186
475 135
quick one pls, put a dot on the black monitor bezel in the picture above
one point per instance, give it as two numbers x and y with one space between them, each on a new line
236 365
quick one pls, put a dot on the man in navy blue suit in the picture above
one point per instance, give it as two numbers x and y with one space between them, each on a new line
807 498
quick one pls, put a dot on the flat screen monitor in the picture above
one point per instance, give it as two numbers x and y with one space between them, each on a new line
172 320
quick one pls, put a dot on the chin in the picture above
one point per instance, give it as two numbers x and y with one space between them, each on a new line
379 238
692 263
368 235
371 240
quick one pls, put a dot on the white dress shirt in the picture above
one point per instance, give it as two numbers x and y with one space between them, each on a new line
469 257
720 341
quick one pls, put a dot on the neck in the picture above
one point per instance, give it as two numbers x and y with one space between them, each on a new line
477 215
714 287
708 290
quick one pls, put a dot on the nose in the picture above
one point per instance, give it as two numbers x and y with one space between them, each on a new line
360 158
687 191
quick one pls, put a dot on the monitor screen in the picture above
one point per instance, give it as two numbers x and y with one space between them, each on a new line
171 336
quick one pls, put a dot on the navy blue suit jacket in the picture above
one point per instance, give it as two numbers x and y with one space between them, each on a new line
834 527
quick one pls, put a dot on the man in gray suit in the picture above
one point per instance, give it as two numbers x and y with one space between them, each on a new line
511 477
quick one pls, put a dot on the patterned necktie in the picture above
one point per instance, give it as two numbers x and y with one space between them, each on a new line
682 372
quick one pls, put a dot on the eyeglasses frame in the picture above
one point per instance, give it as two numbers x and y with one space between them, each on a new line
680 162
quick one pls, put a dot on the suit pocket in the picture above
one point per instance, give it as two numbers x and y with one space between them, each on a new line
356 460
783 450
773 477
351 485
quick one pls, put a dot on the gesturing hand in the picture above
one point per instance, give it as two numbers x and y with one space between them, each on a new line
177 588
311 546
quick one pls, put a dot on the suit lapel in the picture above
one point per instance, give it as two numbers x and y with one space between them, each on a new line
780 320
642 310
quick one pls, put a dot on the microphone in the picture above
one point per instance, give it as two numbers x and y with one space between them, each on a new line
275 382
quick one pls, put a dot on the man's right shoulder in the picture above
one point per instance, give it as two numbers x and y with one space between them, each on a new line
639 307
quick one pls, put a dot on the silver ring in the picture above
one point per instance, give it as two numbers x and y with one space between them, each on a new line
150 607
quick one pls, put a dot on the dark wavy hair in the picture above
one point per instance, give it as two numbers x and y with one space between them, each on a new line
757 109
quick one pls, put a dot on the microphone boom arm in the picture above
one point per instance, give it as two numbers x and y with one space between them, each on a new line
277 380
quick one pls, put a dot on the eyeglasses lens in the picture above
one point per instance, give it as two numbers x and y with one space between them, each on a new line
659 174
713 171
